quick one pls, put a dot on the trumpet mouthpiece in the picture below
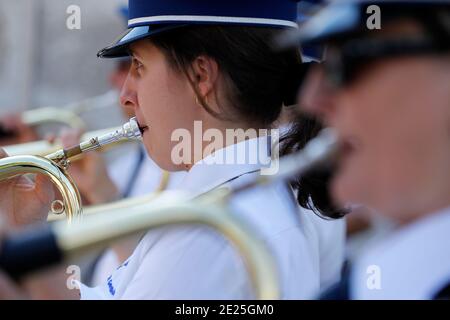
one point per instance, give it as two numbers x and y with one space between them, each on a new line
128 131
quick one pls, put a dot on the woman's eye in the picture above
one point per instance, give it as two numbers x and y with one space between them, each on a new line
137 65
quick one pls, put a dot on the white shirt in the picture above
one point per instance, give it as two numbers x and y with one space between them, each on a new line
331 237
412 263
193 262
148 176
147 180
106 264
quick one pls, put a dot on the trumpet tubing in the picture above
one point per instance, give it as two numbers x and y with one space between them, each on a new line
129 131
69 115
54 164
43 147
17 165
46 115
122 204
102 101
58 241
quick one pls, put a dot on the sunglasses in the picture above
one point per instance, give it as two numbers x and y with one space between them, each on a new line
345 62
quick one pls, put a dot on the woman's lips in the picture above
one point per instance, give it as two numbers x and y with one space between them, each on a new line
143 129
347 147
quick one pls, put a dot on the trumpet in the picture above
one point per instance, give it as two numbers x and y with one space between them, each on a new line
54 166
43 147
27 251
68 115
129 131
95 103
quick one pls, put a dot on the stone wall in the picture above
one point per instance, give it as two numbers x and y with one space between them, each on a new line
42 62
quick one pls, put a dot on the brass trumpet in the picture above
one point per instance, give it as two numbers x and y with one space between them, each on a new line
129 131
54 165
43 147
23 253
40 116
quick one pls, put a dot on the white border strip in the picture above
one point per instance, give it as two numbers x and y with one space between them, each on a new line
177 18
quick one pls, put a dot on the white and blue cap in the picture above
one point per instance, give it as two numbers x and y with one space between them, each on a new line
341 18
306 9
149 17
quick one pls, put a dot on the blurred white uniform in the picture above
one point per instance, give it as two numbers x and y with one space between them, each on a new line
148 174
412 263
194 262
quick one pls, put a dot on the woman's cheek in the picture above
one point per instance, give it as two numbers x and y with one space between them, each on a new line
341 189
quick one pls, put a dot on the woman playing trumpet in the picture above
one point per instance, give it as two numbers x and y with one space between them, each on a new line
386 93
213 64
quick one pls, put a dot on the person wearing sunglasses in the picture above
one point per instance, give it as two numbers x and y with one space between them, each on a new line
386 93
212 62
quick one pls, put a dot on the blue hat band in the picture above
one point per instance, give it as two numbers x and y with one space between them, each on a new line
260 12
150 17
209 19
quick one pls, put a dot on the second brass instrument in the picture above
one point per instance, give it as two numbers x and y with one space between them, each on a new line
68 115
58 241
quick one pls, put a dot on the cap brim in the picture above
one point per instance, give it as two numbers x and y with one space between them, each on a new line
119 48
334 19
340 18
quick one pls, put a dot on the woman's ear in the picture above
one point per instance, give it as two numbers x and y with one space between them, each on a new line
205 72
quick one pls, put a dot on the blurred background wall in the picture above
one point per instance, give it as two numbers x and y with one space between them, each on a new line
44 63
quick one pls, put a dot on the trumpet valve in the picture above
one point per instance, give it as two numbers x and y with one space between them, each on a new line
57 207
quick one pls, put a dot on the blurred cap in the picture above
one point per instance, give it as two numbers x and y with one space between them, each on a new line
343 17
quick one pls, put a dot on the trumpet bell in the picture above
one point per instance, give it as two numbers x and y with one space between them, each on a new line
18 165
54 164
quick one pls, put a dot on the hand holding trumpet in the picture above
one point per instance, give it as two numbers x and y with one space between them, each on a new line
89 172
14 130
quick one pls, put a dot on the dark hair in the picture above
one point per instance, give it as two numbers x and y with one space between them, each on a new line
313 187
257 78
259 82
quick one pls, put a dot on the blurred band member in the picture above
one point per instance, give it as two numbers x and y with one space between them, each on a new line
386 93
212 62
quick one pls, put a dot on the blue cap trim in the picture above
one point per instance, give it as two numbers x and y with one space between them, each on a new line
341 17
331 20
147 17
119 48
284 10
209 19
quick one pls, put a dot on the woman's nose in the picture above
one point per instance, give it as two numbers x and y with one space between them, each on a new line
128 95
317 96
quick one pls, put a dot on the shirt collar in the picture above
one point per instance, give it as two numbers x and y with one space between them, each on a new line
411 264
226 164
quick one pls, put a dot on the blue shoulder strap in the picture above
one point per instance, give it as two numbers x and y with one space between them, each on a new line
134 173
